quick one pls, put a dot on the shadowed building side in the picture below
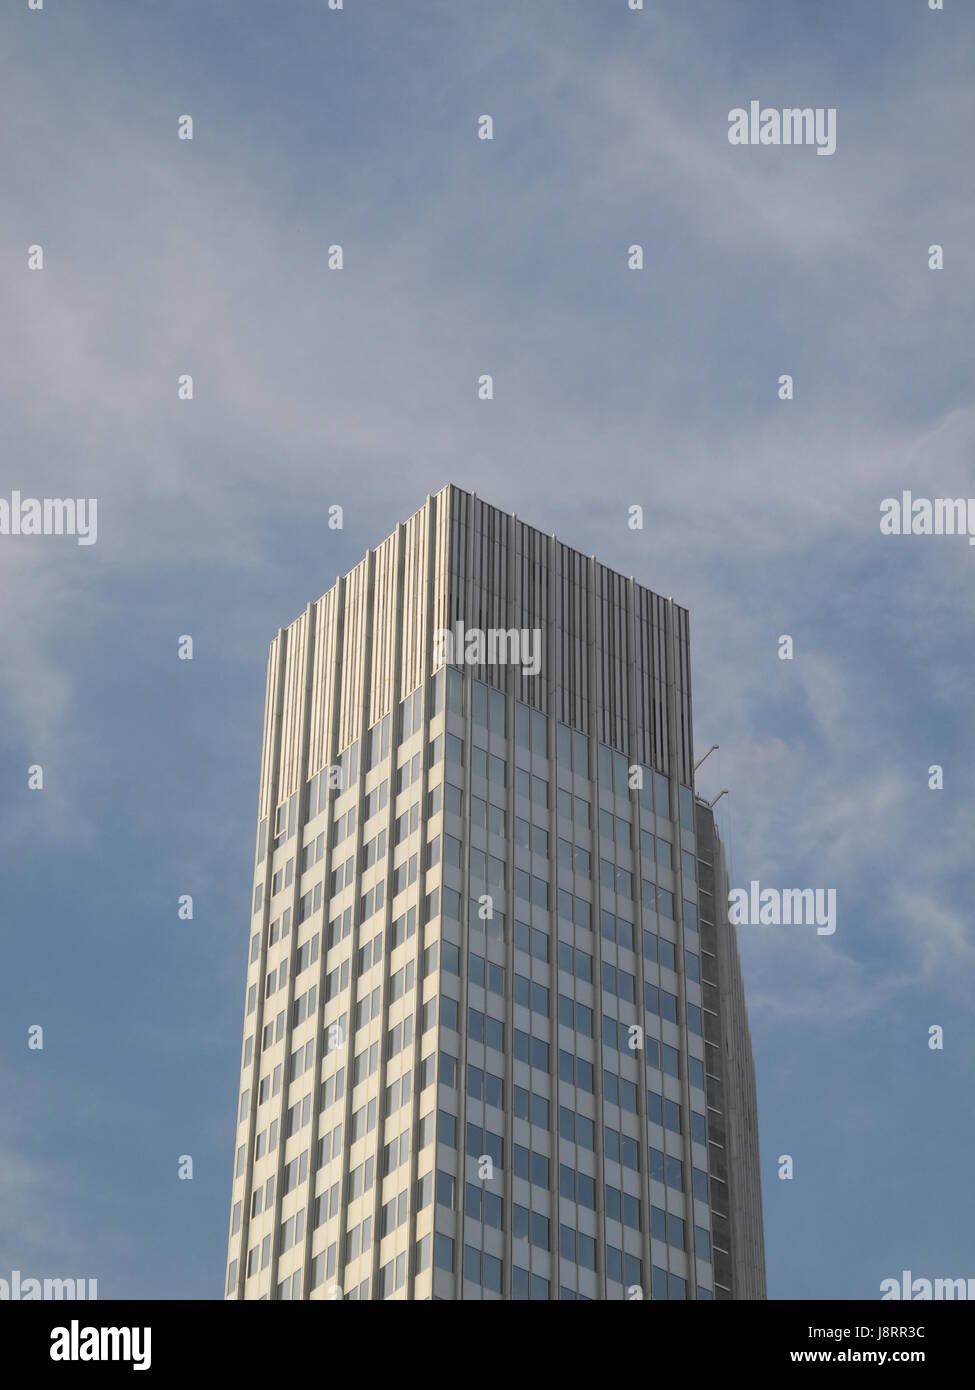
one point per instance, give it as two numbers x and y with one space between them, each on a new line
733 1149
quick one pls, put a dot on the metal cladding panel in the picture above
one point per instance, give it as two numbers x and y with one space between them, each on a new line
685 739
457 527
271 718
646 660
612 657
416 540
289 773
532 587
489 598
655 680
573 637
316 666
489 570
660 681
442 528
323 680
355 593
589 605
385 629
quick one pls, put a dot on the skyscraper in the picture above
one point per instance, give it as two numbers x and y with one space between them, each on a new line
495 1041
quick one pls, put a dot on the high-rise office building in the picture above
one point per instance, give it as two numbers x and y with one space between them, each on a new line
495 1041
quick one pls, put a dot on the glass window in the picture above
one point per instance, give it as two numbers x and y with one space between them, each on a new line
496 712
539 733
445 1189
455 691
580 754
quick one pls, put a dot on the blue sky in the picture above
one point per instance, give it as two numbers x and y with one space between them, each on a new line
358 388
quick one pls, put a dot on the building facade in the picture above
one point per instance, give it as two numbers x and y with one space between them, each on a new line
495 1041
